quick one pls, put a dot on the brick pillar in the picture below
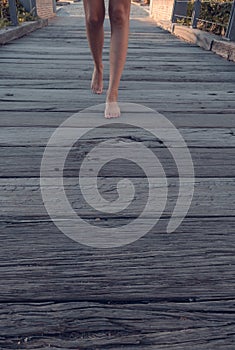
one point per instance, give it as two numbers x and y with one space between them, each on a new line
162 10
45 8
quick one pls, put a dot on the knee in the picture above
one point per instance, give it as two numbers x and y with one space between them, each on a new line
118 16
94 20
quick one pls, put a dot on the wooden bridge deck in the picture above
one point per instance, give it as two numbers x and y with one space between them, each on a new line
166 291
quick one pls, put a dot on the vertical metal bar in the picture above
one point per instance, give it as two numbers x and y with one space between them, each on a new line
34 7
230 33
54 5
173 17
13 12
196 13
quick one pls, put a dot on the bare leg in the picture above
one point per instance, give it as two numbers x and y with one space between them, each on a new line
119 13
95 14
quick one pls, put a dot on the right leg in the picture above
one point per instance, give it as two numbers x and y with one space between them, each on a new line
95 14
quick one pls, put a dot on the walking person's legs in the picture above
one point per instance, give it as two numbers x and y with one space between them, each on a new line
95 14
119 13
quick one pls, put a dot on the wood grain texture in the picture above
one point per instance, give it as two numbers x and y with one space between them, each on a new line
163 292
17 162
114 326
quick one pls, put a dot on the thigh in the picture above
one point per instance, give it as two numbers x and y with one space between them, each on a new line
94 9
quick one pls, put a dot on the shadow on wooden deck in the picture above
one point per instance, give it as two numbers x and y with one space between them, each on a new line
165 291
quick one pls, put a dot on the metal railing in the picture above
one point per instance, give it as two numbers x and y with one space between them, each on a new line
11 10
190 12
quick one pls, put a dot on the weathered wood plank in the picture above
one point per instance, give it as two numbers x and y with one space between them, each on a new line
165 291
163 324
48 118
148 75
177 58
164 108
138 65
159 87
85 59
26 161
39 136
70 95
195 263
22 197
88 101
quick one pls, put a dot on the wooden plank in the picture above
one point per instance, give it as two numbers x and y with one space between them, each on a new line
165 291
75 63
39 136
177 58
163 324
54 47
149 75
162 107
26 161
30 94
221 90
86 59
48 118
22 197
195 263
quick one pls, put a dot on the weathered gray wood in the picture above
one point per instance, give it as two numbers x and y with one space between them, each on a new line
165 291
18 162
178 61
184 321
57 84
138 64
153 75
17 136
13 94
22 197
163 107
192 265
48 118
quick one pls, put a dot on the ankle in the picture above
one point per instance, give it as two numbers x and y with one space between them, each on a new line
112 96
99 68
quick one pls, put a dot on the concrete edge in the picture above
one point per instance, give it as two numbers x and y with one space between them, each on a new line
11 33
207 41
194 36
225 49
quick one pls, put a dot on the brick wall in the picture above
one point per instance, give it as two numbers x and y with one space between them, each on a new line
161 10
45 8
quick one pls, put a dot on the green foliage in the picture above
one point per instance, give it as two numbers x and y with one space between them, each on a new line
4 13
23 15
214 15
4 22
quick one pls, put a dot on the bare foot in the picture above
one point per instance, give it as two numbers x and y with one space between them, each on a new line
112 109
97 81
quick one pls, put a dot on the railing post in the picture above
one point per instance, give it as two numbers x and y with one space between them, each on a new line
13 12
230 33
196 13
173 17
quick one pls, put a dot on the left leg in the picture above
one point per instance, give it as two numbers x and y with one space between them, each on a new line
95 13
119 13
